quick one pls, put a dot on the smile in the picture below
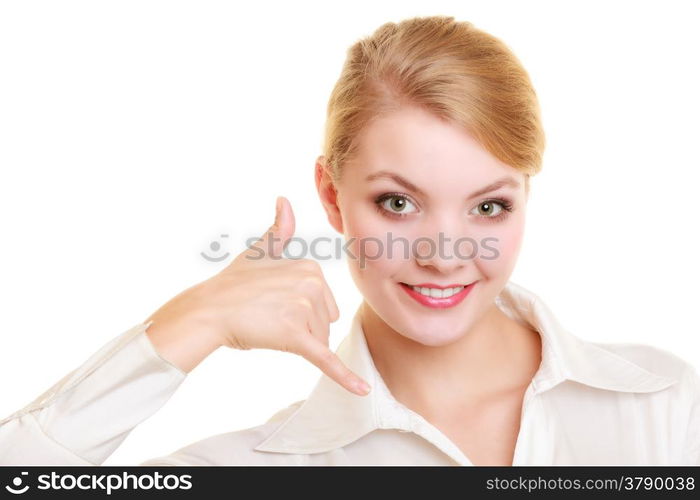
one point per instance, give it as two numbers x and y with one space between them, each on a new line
439 297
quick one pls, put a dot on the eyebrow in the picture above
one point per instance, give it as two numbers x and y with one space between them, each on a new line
505 181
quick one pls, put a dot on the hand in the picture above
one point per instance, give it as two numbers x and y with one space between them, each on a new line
260 300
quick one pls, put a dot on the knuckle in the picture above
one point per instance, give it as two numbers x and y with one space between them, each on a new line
304 304
312 283
295 309
300 302
335 316
310 265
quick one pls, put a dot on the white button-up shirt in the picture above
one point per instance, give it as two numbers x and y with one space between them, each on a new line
588 404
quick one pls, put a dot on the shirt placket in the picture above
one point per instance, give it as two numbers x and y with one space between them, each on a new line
394 415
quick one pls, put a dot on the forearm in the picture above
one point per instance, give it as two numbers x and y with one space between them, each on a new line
86 415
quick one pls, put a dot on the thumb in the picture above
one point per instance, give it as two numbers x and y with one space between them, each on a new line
272 243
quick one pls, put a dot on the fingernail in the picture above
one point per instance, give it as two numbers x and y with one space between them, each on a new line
362 386
277 208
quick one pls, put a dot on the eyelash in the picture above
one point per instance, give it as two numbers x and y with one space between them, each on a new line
505 204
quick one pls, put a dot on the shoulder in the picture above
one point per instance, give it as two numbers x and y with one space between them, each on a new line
674 410
230 448
652 358
684 395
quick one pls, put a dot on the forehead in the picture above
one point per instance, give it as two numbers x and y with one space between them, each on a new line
412 141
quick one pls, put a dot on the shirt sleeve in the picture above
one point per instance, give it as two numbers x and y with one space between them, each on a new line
86 415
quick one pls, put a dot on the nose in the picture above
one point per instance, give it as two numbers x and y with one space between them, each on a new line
443 252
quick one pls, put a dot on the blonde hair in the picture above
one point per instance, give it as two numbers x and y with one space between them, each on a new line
449 68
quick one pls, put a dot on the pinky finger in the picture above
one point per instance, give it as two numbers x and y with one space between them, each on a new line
330 364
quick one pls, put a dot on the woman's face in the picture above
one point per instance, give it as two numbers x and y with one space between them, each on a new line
413 182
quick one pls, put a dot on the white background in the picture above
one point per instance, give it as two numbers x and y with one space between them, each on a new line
134 133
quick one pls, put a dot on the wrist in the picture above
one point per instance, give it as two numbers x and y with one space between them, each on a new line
184 343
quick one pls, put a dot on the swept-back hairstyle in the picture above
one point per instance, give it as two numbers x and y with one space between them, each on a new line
449 68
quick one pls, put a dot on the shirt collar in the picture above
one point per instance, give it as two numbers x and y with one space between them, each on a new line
332 417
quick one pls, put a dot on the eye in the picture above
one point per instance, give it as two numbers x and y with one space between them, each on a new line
493 209
394 204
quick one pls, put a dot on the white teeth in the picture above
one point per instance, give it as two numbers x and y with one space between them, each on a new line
437 293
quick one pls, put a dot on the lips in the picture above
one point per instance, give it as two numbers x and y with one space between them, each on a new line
438 302
433 285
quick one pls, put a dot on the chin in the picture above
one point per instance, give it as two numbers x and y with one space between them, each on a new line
433 338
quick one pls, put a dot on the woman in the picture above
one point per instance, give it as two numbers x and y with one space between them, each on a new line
433 132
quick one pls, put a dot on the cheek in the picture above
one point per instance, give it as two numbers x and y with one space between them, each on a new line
367 240
501 247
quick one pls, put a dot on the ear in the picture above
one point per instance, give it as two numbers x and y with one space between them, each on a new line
328 194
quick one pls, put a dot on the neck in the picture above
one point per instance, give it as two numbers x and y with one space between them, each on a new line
496 356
